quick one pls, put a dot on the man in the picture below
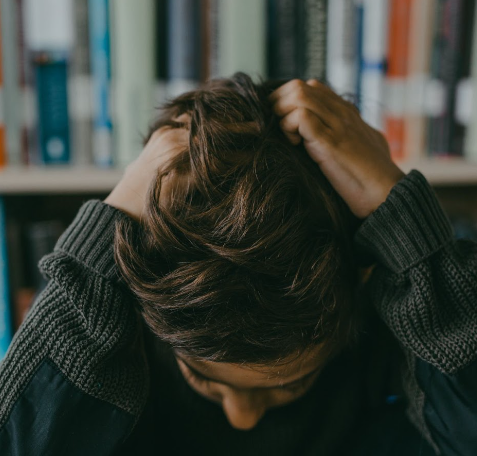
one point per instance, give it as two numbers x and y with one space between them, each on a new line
233 301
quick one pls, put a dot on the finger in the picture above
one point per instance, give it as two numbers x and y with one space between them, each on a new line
313 82
331 93
294 138
288 87
310 101
306 124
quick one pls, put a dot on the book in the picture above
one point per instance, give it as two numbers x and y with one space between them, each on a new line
6 331
22 292
372 65
51 76
341 62
312 35
185 45
3 145
100 65
27 102
162 52
80 88
11 81
282 39
420 39
462 108
470 138
396 76
444 69
211 67
242 37
49 40
132 76
41 238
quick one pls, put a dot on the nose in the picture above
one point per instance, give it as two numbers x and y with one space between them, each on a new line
243 409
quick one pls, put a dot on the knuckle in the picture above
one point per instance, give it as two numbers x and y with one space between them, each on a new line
297 84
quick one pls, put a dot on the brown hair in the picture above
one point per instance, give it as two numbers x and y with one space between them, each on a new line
250 259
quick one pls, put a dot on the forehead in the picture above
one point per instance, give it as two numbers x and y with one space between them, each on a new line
259 375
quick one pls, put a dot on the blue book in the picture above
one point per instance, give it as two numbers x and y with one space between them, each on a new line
100 55
184 38
51 75
6 329
359 50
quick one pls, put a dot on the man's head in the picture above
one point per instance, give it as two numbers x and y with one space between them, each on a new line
244 256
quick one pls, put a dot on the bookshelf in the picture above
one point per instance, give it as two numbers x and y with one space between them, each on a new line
71 180
89 179
109 108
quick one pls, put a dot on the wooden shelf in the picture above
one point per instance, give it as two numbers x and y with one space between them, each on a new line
445 171
54 180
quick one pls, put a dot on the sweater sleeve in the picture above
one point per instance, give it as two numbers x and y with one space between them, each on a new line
424 286
77 358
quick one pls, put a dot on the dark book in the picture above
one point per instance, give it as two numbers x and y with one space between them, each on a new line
464 66
445 68
282 39
41 238
312 38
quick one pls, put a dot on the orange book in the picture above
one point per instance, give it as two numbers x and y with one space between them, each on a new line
3 145
396 76
420 43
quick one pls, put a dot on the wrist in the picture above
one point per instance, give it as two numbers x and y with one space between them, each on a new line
382 189
126 200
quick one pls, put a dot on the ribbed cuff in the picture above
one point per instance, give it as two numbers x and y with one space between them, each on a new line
408 227
90 237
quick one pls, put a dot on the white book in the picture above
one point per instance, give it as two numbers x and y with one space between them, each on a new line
133 75
341 62
374 53
49 25
242 37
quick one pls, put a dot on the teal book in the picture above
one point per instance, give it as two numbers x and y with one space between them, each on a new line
6 330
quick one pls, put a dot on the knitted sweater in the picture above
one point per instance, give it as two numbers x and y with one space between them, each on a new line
77 377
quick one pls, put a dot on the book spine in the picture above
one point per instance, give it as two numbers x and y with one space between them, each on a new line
12 97
49 41
396 76
444 71
52 90
420 38
205 40
3 143
463 88
28 111
373 61
282 41
184 46
359 7
5 308
100 64
470 139
79 88
242 37
213 19
312 37
341 64
132 76
162 49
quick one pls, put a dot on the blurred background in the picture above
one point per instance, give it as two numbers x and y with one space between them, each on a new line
81 80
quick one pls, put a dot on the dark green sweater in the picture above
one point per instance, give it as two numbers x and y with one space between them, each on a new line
84 376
